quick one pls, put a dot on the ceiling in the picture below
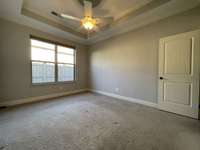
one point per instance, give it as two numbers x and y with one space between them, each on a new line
128 15
73 7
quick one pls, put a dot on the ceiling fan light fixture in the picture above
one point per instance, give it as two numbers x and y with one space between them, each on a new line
88 23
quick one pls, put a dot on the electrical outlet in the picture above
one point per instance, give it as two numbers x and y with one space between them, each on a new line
117 90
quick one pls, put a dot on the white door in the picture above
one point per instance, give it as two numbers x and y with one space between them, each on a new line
179 59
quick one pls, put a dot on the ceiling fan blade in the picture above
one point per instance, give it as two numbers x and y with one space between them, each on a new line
105 20
70 17
65 16
87 8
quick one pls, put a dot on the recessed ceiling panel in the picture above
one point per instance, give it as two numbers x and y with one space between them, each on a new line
114 8
45 7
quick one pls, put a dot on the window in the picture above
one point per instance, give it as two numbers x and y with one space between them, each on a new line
65 60
51 62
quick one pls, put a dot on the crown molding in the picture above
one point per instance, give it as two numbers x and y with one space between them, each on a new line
35 16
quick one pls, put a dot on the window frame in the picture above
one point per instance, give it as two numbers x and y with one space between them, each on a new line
55 63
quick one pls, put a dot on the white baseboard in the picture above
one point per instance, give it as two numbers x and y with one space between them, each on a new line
130 99
44 97
39 98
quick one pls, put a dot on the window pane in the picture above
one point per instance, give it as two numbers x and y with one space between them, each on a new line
42 44
43 72
65 72
64 58
65 50
42 54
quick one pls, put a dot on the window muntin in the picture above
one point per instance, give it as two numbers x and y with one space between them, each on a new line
37 43
65 50
63 58
44 59
43 72
40 54
65 72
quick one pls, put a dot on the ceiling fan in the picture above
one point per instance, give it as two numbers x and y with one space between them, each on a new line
88 22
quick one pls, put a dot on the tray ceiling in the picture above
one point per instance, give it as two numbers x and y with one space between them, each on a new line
115 8
73 7
128 15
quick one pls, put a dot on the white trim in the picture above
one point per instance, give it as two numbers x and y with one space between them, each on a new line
39 98
130 99
44 97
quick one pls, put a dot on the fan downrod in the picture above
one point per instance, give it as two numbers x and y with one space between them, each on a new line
95 3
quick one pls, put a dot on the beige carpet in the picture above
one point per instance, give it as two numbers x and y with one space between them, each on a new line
95 122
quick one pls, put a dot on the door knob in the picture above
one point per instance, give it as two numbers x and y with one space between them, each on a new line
161 78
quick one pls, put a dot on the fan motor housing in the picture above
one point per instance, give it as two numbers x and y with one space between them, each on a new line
94 2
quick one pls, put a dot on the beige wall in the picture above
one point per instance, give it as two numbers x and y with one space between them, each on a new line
15 71
130 61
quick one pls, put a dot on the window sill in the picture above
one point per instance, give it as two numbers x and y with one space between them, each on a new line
53 83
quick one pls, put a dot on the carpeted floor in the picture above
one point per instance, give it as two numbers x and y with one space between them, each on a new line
94 122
